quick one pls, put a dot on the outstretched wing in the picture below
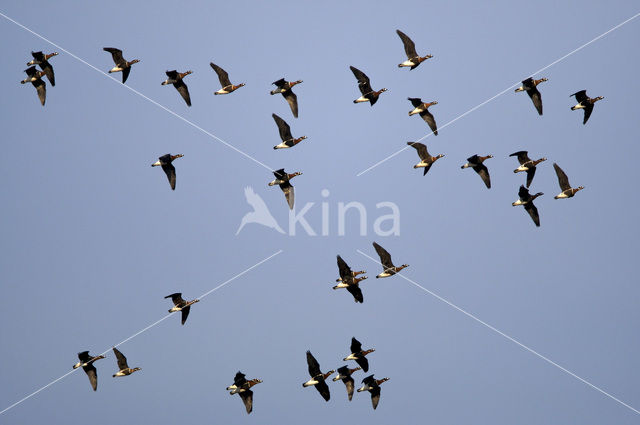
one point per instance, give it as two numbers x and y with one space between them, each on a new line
313 366
356 292
536 98
423 153
522 156
483 172
363 81
183 90
385 257
348 382
323 389
239 380
222 75
170 171
177 299
283 128
292 100
531 172
415 101
121 359
41 88
247 399
356 346
289 193
92 374
533 212
580 95
185 313
563 180
116 54
343 268
409 45
588 109
429 119
375 396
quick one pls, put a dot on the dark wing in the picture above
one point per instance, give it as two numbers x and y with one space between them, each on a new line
536 98
283 128
125 74
222 75
292 99
314 367
415 101
288 193
41 88
363 80
375 396
483 172
426 169
92 374
531 172
239 380
279 174
343 268
429 119
247 399
280 83
348 382
84 356
523 193
170 171
587 111
323 389
473 159
185 313
173 75
409 45
421 148
183 90
38 56
116 54
122 360
356 292
522 156
177 299
385 257
363 363
48 70
528 84
581 95
31 71
533 212
356 346
563 180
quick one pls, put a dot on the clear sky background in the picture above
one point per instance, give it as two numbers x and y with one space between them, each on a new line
93 238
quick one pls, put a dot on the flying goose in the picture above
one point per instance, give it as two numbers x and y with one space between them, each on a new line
122 364
476 162
527 200
422 108
86 363
388 269
344 374
122 65
41 59
282 179
317 377
563 181
242 387
358 354
373 386
368 95
526 164
284 87
285 134
175 78
165 161
181 305
413 59
586 103
348 279
530 86
426 160
35 78
227 87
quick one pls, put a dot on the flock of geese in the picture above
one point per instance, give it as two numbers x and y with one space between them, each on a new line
348 279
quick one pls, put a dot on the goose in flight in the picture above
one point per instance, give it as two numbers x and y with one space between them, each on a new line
165 161
586 103
477 163
565 186
86 363
174 77
41 59
180 304
317 377
122 65
368 94
426 160
284 87
227 87
530 86
413 59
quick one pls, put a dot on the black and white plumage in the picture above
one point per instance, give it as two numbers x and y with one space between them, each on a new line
223 77
176 78
282 180
565 186
284 88
349 280
388 269
288 140
526 164
477 163
426 160
179 304
530 86
373 386
35 77
123 367
86 363
413 59
359 355
422 108
586 103
368 94
242 387
317 377
122 65
165 161
344 374
42 60
526 200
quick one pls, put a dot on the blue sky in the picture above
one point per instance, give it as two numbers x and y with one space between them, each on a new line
93 237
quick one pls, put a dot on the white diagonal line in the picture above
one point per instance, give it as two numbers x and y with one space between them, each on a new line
515 341
141 331
503 91
213 136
